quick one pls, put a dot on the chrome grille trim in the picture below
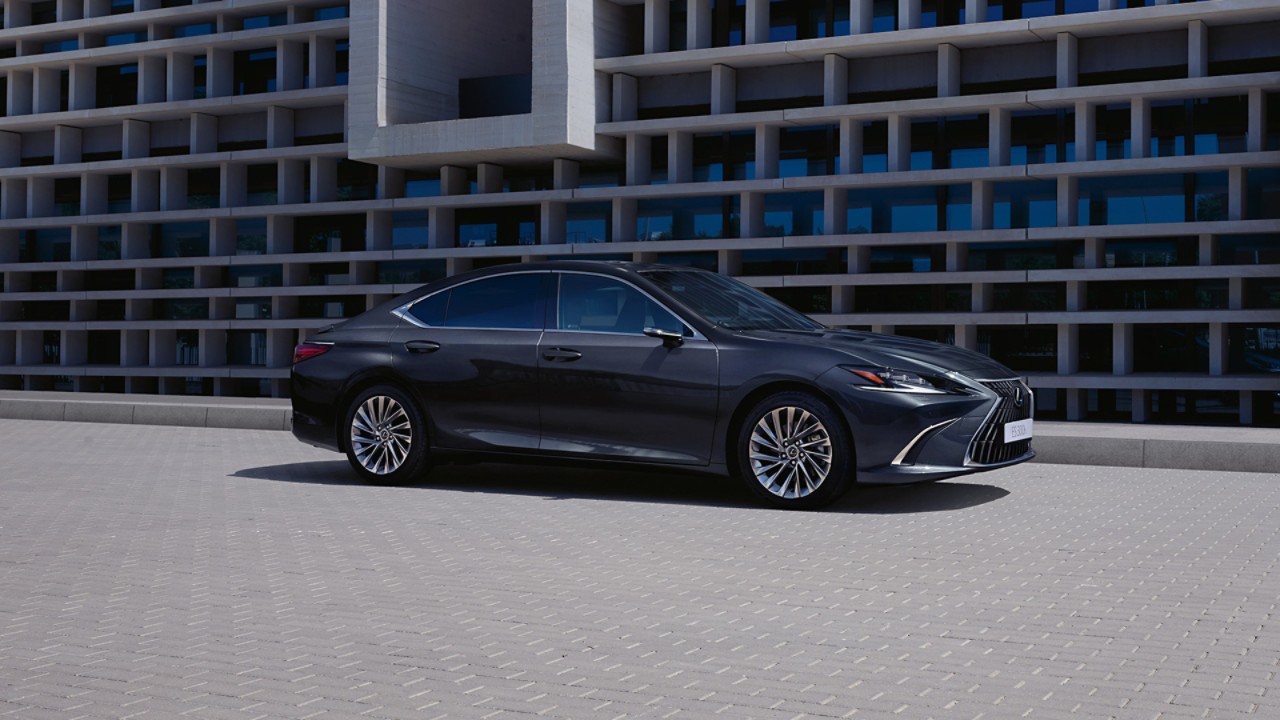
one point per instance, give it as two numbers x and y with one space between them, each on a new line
988 446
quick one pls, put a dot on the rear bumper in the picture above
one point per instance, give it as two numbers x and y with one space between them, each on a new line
313 431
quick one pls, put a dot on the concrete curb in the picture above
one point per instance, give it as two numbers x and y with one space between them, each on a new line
1176 447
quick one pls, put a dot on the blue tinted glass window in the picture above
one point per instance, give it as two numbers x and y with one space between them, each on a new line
509 302
593 303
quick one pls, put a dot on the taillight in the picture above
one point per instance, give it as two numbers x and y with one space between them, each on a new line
308 350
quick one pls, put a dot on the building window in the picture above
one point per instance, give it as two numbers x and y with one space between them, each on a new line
183 239
255 276
793 214
1042 136
251 236
724 156
410 229
590 222
117 85
247 347
512 225
795 261
1025 204
260 184
254 71
329 233
688 218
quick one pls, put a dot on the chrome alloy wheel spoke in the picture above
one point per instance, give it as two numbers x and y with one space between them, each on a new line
381 435
790 452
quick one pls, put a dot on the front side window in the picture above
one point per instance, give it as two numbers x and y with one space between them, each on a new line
509 302
593 303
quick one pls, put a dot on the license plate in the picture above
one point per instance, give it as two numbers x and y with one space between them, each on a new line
1017 430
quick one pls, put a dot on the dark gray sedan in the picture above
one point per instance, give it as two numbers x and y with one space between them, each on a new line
665 366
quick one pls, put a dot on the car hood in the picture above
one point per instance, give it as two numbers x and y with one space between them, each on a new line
892 351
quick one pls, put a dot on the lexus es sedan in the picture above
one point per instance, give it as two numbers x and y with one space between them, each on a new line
663 366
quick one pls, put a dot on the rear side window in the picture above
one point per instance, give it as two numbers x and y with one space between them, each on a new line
509 302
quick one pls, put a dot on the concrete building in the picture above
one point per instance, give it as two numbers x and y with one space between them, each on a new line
1087 190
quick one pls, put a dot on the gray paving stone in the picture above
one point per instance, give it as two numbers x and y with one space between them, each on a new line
208 573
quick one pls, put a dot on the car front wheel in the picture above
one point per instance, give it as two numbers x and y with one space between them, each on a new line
386 439
793 452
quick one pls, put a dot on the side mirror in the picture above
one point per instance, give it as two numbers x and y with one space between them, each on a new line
669 339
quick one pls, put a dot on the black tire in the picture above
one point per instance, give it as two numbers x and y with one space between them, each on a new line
385 436
793 452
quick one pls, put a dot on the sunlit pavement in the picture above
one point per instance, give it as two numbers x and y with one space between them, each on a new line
161 572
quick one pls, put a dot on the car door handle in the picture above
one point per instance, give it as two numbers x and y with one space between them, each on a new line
560 355
421 346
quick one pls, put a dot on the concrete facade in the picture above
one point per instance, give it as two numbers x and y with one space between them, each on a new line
1087 191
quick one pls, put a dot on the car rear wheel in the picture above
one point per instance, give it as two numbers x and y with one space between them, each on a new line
793 452
386 439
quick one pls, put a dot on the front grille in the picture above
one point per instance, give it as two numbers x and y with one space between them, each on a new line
988 446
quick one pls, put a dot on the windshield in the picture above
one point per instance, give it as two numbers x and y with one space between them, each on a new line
727 302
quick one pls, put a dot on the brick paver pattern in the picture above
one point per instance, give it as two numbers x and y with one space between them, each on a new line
171 572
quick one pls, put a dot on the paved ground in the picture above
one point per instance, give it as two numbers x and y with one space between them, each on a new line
166 572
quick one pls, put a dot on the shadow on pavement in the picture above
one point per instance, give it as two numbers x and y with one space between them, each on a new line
636 485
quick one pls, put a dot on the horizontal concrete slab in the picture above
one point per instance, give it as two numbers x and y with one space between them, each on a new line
1067 443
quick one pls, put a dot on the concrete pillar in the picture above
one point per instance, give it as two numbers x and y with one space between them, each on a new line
1121 349
152 78
180 76
133 348
624 220
766 151
1237 193
899 143
679 157
729 262
698 31
1235 293
145 190
21 86
757 30
975 11
204 133
1068 348
860 16
291 64
136 139
908 14
835 80
390 182
1257 121
93 195
67 144
752 214
47 90
982 297
13 198
724 89
1217 348
1075 408
1207 250
552 217
835 209
220 80
1197 49
290 187
233 185
1246 407
1086 130
280 237
279 126
1068 60
1068 189
625 97
82 86
440 227
850 160
565 174
1095 253
173 188
639 161
657 26
489 178
859 260
324 179
40 197
966 336
957 257
999 134
1140 127
222 241
948 70
980 210
453 180
10 149
322 67
1141 406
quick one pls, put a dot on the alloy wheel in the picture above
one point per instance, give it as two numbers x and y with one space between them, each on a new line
381 435
790 452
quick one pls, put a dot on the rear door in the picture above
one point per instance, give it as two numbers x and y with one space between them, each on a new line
471 352
610 390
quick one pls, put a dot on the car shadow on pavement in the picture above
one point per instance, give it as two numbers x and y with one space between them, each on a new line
636 485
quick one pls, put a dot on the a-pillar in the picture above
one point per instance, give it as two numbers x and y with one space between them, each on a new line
1140 127
899 143
835 80
1121 349
698 28
757 30
1068 60
861 16
724 89
657 26
908 14
766 151
948 70
850 160
680 157
975 11
639 148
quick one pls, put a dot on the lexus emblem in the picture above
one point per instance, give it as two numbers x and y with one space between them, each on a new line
1017 396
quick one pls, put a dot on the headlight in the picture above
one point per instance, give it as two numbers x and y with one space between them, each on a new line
904 381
